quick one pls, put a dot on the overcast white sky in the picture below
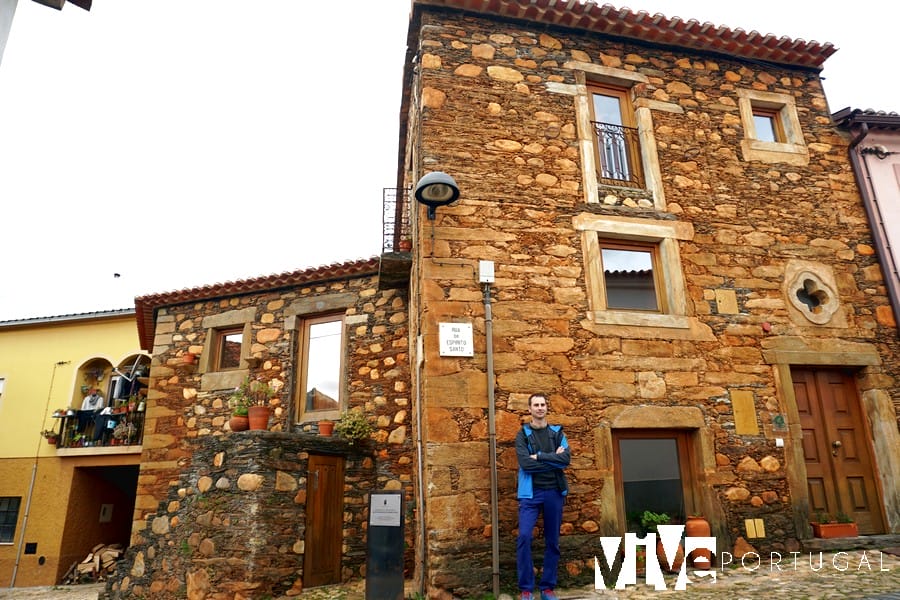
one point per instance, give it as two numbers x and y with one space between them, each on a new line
181 143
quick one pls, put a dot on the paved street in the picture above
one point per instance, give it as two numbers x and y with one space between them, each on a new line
873 575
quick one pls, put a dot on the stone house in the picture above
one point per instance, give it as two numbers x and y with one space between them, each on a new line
220 513
658 227
681 262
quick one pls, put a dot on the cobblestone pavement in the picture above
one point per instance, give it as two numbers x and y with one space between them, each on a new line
870 575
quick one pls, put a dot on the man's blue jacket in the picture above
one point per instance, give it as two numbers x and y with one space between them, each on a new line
546 461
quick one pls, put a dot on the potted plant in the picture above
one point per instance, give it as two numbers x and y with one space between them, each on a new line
252 397
239 420
824 526
650 522
353 426
51 436
326 427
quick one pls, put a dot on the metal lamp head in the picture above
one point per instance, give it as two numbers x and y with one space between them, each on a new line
436 189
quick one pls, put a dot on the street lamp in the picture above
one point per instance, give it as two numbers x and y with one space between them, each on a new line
436 189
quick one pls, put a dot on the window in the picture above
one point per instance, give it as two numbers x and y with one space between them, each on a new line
633 270
771 128
628 273
225 357
229 344
654 473
616 137
768 127
321 351
9 516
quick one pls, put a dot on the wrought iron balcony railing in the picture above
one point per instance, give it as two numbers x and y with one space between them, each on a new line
395 219
618 153
87 429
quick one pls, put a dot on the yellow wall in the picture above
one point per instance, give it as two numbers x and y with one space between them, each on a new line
40 362
63 519
36 384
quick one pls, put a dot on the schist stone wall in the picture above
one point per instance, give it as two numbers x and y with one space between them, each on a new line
222 513
497 105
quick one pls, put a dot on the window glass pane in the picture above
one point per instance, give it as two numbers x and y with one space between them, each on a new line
9 514
607 109
323 365
651 476
230 350
765 128
628 275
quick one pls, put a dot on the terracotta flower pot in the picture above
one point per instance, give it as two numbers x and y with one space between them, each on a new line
326 428
663 563
239 423
259 417
835 530
697 526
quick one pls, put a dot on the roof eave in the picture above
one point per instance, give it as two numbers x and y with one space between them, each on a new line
147 306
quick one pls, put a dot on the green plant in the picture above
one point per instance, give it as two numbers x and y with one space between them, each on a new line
251 392
353 426
822 517
650 520
843 517
49 433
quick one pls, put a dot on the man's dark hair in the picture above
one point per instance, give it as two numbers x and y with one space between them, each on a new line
537 395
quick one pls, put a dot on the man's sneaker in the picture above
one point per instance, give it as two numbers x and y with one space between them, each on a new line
526 596
549 595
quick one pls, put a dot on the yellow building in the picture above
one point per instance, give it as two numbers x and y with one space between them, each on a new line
62 496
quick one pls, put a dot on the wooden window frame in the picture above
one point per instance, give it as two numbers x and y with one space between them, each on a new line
221 338
635 246
303 361
684 445
632 143
774 117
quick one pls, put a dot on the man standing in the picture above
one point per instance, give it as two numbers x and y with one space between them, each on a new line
543 453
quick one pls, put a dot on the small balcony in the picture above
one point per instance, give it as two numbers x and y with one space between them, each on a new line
119 430
396 256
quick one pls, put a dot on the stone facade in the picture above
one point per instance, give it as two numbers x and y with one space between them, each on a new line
221 514
501 106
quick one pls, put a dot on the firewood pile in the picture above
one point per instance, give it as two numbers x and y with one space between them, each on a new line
96 566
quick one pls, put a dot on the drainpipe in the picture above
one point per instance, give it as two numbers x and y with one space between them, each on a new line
492 442
420 472
34 467
870 203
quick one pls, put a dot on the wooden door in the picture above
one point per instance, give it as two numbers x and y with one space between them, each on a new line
839 466
324 520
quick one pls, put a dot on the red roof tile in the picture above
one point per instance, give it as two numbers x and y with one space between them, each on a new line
656 28
146 306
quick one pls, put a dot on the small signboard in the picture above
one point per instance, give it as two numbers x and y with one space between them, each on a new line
384 510
456 339
384 546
